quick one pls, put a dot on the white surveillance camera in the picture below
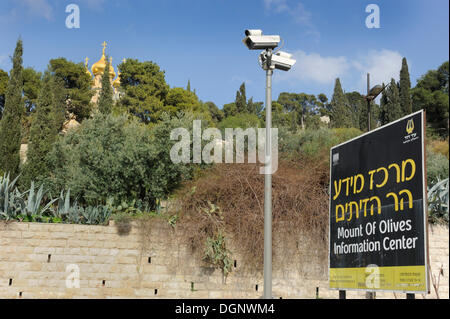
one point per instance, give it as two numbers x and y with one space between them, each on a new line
253 32
255 40
282 61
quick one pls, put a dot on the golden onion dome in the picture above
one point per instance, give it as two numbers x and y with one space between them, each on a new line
87 68
99 66
112 73
116 82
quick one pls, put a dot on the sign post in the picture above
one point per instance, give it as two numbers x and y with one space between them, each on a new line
378 210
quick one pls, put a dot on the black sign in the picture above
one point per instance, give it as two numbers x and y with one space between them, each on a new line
378 210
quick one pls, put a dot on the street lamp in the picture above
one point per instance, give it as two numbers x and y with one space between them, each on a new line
372 95
255 40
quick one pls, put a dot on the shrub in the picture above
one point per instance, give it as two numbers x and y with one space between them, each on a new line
227 202
437 167
438 198
439 146
244 121
32 206
109 156
314 144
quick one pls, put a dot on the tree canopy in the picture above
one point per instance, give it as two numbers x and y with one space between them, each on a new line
105 101
4 79
43 133
431 94
145 90
11 122
77 86
341 113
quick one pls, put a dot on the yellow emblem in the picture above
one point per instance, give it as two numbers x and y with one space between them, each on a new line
410 126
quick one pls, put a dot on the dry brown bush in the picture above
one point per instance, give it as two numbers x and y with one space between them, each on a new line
300 210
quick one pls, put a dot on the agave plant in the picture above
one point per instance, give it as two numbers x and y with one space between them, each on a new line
6 188
12 201
34 200
95 215
73 214
13 206
438 200
62 210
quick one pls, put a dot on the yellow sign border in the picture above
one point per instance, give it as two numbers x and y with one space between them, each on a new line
397 278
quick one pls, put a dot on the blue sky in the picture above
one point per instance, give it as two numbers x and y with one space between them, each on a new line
200 40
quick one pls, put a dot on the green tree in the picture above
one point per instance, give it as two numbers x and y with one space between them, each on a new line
43 134
59 102
217 114
390 105
291 105
241 99
431 94
230 109
4 79
145 90
77 86
243 121
179 99
11 123
188 88
255 107
308 108
105 101
405 89
358 107
280 118
32 84
341 113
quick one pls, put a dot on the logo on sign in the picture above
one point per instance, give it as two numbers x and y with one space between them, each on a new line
410 131
410 126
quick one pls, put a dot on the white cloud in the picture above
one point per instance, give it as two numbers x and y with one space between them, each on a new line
313 68
276 5
383 65
297 12
316 68
40 8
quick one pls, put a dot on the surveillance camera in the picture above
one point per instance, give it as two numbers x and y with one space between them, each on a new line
282 61
253 32
255 40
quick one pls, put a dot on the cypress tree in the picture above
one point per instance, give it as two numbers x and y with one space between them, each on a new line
11 123
241 99
341 114
105 101
43 134
4 79
405 89
59 102
391 109
189 86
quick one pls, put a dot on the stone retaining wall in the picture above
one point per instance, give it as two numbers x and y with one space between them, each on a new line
45 261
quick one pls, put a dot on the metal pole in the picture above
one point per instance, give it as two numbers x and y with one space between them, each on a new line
368 102
369 294
268 185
